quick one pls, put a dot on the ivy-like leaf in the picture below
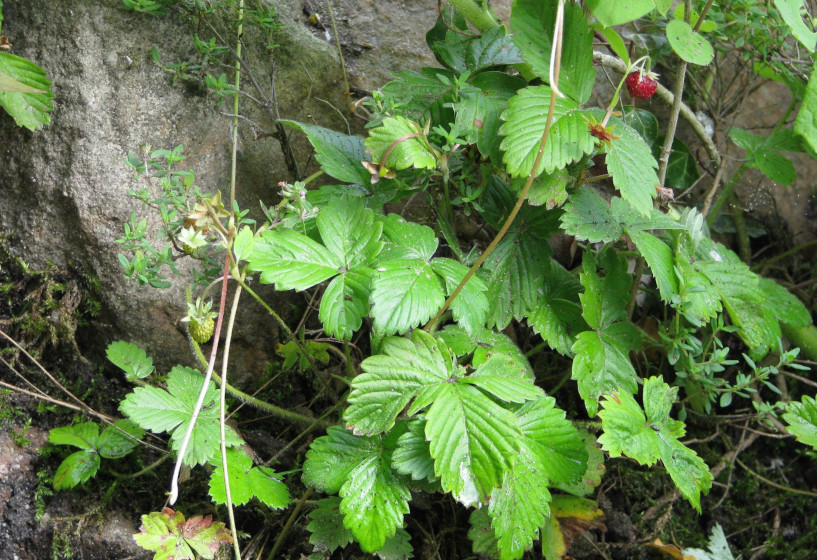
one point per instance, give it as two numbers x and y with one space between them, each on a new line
171 411
402 143
246 482
646 439
28 109
533 22
802 419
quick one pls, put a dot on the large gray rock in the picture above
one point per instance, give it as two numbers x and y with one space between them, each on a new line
64 188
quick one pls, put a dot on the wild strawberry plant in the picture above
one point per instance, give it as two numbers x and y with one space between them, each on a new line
502 147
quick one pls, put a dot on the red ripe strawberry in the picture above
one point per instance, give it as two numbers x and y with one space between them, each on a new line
641 84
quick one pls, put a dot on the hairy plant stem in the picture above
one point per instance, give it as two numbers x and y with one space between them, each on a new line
222 421
557 46
663 160
174 482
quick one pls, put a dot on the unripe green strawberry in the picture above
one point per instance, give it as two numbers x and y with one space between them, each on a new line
202 331
199 320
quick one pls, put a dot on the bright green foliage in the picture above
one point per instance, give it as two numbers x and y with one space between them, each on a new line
525 120
170 411
132 359
171 537
790 12
688 44
115 441
633 167
351 238
374 499
402 143
473 440
246 482
806 122
616 13
595 468
601 364
646 439
303 354
557 314
802 419
533 23
412 455
339 154
26 95
418 92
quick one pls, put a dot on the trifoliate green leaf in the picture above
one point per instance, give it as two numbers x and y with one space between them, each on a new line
345 302
514 274
397 547
802 419
292 261
533 22
406 293
332 457
28 109
783 304
132 359
525 120
76 469
119 439
399 143
247 482
374 502
520 506
412 456
170 411
470 308
392 379
349 231
326 526
339 155
557 314
172 538
473 440
647 438
407 240
553 439
633 168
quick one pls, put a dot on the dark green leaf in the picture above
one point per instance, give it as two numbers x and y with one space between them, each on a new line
339 155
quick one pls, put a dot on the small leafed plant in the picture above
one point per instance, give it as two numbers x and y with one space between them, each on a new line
501 147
